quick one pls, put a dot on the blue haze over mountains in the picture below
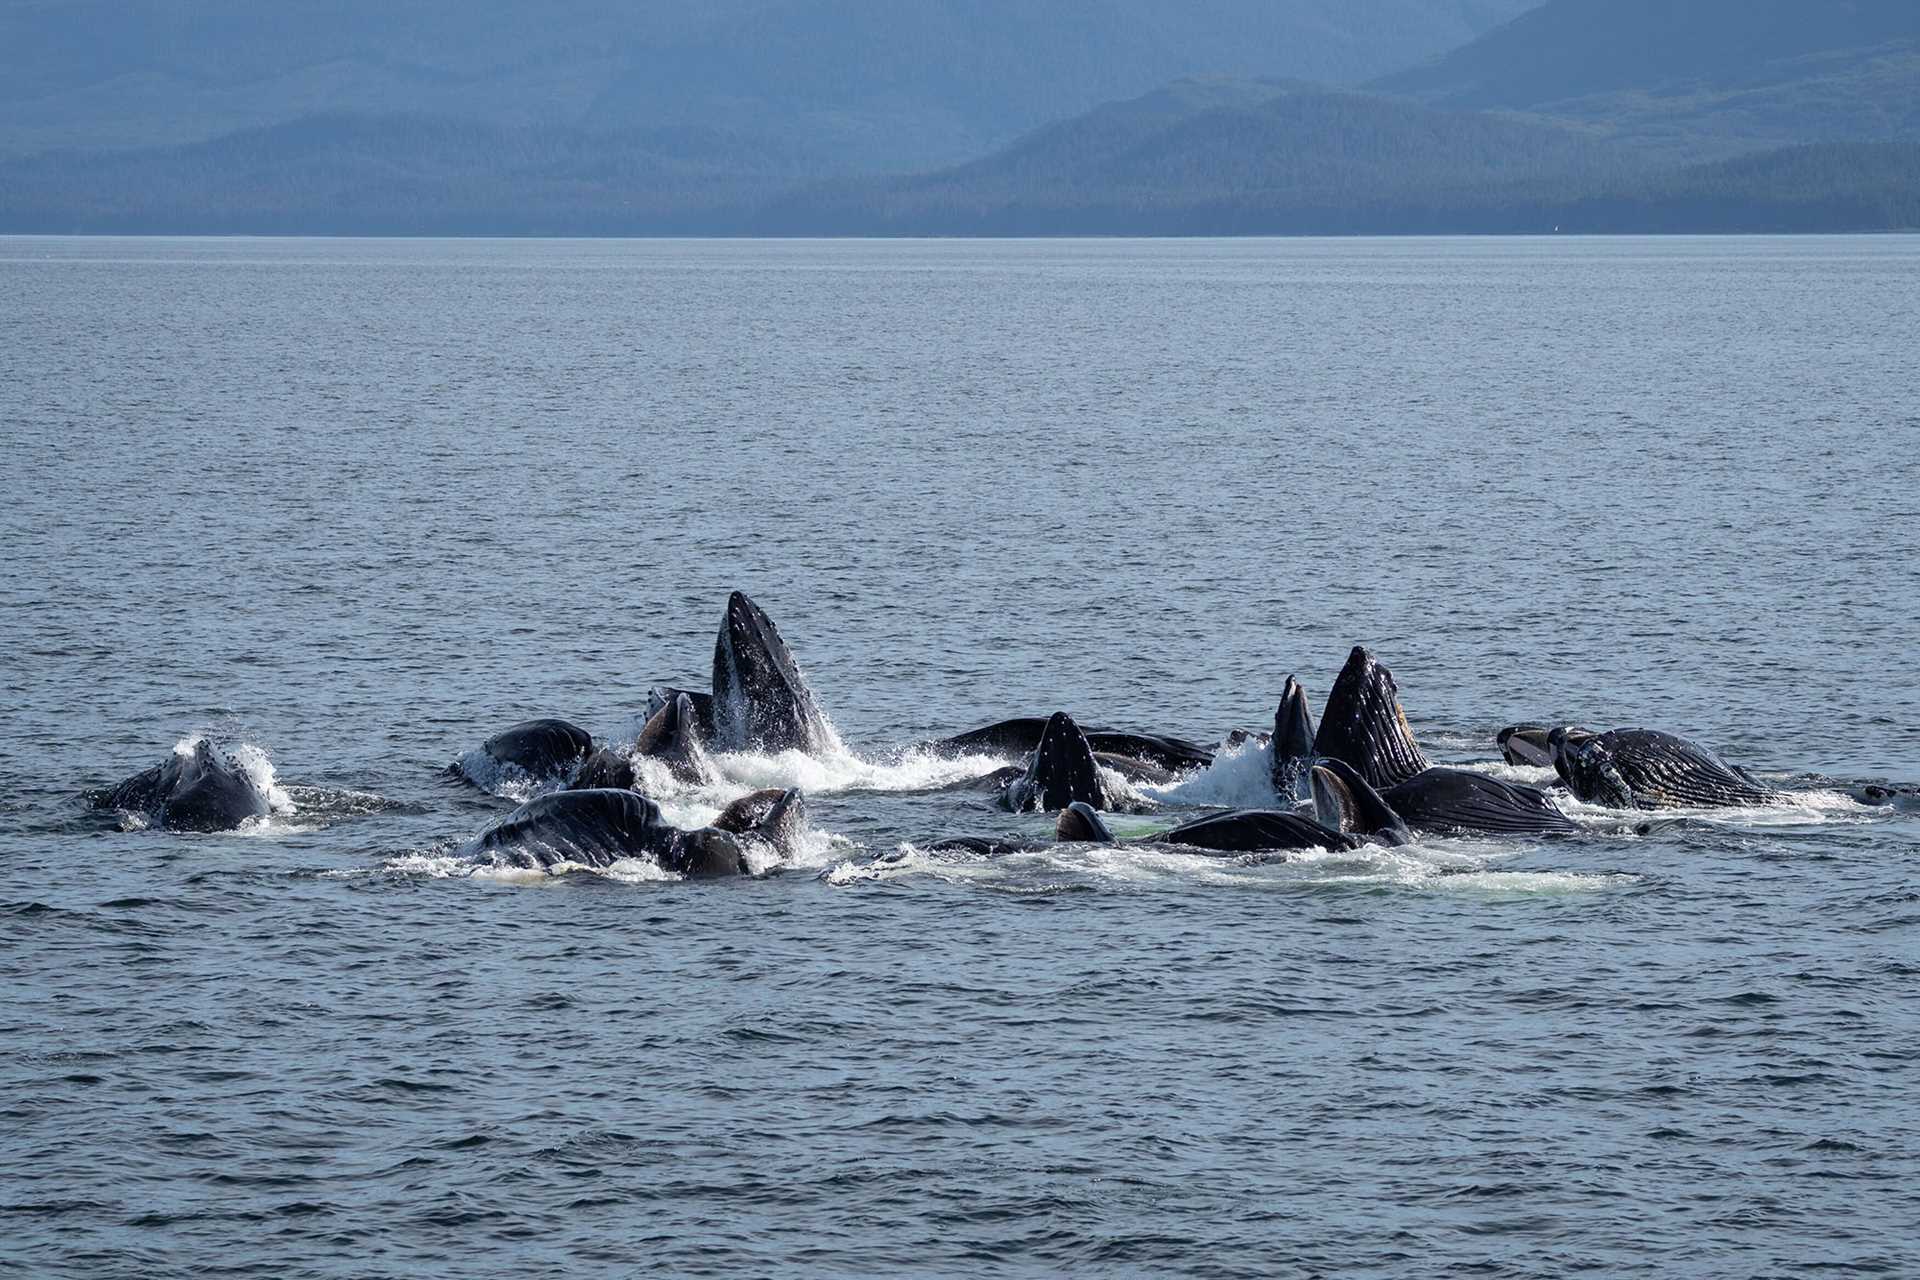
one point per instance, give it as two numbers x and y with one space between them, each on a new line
959 116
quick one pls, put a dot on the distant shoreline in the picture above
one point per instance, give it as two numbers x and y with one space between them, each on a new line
905 238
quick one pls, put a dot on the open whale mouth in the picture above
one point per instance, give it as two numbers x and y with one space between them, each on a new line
761 701
1292 742
1346 802
1333 802
1526 744
1063 769
1364 725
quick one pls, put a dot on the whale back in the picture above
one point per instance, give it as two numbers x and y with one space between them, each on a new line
1363 724
1164 751
761 702
605 768
1021 735
592 828
1457 801
546 748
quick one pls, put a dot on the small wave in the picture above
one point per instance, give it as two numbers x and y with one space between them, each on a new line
1795 809
460 866
1526 775
499 778
1440 865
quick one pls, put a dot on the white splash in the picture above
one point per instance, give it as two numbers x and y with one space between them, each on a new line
1525 775
1240 777
508 781
1795 809
1434 866
845 771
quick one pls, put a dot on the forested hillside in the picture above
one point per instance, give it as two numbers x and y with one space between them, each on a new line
1701 78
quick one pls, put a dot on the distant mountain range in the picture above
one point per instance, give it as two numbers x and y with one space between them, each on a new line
1252 159
852 85
1698 78
794 117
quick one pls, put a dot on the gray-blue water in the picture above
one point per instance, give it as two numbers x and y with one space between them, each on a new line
361 504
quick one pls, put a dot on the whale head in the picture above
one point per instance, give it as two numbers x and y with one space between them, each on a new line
1080 823
706 854
1292 741
760 700
1586 763
1062 771
775 817
203 790
672 735
1364 725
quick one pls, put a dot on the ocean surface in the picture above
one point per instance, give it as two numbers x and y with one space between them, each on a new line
353 506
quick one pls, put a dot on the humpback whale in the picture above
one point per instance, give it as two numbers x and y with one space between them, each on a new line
1344 801
774 816
672 736
702 707
1364 725
760 700
1526 744
600 827
197 789
1292 742
1238 831
1063 770
1440 800
1647 769
1021 736
541 749
604 769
